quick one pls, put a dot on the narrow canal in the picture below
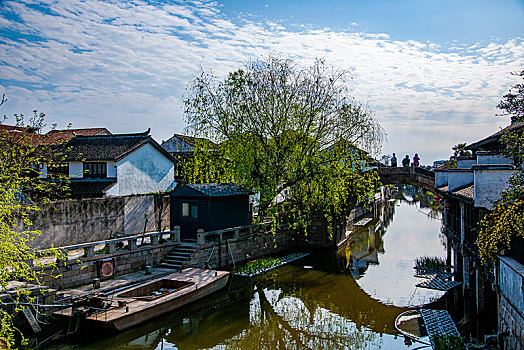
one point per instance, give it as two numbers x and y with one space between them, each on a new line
346 299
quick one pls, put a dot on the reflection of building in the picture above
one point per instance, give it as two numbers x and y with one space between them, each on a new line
366 243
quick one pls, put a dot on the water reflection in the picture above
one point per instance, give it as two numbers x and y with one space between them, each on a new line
329 300
381 254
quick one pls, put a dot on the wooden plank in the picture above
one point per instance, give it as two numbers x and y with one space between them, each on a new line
31 320
363 222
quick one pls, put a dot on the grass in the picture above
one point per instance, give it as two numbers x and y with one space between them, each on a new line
429 262
258 266
445 342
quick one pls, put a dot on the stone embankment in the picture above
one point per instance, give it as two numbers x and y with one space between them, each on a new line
225 248
126 255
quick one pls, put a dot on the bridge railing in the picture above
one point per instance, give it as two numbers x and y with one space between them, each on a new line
406 170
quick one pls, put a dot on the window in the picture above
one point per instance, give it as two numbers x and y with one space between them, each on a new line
194 211
95 170
185 210
190 209
58 170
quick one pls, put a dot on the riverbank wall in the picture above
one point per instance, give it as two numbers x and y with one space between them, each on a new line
511 302
260 242
75 272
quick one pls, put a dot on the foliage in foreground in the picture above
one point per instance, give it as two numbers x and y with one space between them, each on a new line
506 221
19 153
448 342
289 133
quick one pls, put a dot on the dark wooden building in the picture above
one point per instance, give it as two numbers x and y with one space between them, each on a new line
209 207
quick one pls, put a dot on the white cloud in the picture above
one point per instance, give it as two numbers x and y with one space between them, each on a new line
125 64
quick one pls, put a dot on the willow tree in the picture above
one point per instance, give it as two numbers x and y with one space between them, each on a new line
506 221
293 134
20 153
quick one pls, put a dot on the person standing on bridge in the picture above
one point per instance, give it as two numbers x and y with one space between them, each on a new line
416 160
405 161
394 161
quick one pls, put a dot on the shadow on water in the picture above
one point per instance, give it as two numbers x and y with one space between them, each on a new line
331 299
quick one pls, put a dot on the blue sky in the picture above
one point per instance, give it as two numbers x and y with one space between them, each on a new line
432 71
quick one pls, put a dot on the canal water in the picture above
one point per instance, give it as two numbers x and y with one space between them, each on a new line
346 299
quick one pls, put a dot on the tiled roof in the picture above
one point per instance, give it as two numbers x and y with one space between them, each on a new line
104 147
219 189
494 137
15 128
501 166
54 137
468 192
21 135
190 140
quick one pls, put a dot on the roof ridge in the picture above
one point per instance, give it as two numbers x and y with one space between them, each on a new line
140 134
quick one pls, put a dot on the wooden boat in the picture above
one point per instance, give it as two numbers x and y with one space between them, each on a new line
410 325
138 304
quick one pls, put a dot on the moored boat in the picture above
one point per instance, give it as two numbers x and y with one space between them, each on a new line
140 303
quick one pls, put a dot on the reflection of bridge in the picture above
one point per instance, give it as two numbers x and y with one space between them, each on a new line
407 175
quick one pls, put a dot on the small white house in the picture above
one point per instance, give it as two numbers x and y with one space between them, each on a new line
114 165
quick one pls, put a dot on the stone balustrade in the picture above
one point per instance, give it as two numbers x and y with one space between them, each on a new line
232 232
130 242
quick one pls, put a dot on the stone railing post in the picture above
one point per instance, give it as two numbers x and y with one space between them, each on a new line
89 251
200 236
175 234
250 231
110 247
237 233
132 244
155 239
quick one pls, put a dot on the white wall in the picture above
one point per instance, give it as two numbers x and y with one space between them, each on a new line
458 178
465 163
76 170
491 158
511 281
441 178
489 182
111 169
145 170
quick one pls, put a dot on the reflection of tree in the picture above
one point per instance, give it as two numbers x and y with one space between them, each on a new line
285 322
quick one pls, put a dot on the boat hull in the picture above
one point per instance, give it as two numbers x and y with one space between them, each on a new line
130 307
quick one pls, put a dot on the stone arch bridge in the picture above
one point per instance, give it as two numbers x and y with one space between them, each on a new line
415 176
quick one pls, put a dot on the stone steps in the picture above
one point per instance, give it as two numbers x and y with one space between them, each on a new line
177 258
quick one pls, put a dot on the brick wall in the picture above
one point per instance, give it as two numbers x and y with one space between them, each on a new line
511 322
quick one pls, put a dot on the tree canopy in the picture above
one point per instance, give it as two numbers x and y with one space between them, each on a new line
19 177
512 103
286 131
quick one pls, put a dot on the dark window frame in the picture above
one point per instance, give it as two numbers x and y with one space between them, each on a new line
95 170
192 210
